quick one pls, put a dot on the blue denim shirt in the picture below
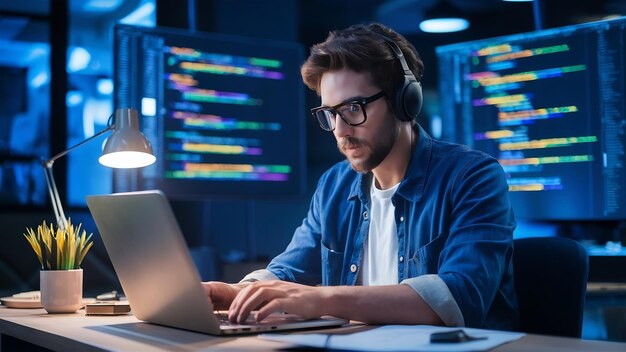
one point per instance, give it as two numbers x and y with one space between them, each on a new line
453 219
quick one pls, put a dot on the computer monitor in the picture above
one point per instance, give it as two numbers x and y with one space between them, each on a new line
224 114
550 105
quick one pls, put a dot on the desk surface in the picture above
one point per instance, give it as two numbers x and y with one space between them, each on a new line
77 332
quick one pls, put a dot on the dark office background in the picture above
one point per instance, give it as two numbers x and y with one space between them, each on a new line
47 104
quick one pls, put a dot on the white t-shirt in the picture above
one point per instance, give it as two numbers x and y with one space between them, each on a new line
380 252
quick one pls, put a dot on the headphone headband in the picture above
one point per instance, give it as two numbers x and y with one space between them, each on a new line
398 53
407 97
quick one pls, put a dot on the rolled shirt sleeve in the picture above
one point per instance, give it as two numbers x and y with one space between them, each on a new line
259 275
436 294
475 263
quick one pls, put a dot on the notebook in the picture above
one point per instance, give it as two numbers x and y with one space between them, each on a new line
156 271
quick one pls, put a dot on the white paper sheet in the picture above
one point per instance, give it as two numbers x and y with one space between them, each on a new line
398 338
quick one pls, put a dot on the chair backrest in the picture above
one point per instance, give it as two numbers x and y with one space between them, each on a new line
550 282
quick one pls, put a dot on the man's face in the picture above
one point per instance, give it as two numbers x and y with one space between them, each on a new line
366 145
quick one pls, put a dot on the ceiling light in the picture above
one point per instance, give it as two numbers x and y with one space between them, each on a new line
443 18
444 25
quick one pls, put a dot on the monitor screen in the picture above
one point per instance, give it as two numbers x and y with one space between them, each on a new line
550 106
224 114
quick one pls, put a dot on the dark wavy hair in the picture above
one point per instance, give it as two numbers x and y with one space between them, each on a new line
361 48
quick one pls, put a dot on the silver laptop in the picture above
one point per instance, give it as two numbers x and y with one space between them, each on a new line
157 273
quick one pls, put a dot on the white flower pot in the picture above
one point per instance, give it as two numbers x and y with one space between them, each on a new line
61 290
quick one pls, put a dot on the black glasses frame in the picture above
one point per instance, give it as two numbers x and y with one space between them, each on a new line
362 102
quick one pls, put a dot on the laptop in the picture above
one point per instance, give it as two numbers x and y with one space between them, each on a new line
156 271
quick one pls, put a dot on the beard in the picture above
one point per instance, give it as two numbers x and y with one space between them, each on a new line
364 155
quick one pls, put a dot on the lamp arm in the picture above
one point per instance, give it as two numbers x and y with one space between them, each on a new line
54 197
52 187
49 162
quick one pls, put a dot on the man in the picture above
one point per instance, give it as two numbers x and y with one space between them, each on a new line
407 230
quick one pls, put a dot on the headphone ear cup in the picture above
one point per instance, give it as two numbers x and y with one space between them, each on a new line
408 99
413 99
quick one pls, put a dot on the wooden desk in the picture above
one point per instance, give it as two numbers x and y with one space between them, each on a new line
20 329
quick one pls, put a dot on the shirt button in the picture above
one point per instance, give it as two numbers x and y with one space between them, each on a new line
401 218
401 259
365 215
353 268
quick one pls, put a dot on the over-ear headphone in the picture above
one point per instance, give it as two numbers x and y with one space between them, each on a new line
407 100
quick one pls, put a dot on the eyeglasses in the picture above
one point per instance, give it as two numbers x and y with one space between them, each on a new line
351 112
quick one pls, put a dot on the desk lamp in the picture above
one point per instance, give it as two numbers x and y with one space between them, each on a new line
126 148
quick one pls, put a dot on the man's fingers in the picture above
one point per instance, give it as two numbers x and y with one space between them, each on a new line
251 298
240 298
271 307
258 298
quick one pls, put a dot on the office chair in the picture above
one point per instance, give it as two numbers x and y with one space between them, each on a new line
550 283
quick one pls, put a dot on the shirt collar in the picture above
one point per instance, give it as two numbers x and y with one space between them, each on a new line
360 187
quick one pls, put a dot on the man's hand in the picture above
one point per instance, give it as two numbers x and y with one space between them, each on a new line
390 304
222 294
277 296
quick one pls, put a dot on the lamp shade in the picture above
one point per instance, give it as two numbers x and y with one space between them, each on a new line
127 147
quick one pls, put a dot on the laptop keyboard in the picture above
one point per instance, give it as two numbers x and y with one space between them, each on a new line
222 317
